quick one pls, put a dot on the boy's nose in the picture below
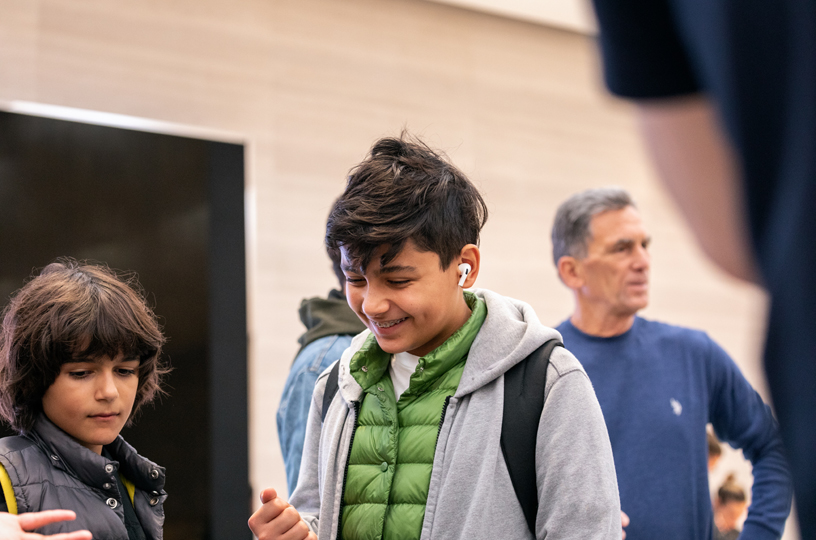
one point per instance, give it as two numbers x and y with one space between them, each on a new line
106 389
374 303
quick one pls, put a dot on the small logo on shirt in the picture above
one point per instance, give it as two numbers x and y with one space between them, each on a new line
676 406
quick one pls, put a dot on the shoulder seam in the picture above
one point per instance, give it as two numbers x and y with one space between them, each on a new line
561 376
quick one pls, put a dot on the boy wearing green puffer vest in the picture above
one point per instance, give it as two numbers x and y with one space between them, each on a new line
409 446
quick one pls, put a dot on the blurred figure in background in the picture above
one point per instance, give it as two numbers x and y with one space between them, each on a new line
658 384
714 450
729 508
330 323
726 96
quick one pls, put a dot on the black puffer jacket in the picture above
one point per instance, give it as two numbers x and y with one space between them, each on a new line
49 470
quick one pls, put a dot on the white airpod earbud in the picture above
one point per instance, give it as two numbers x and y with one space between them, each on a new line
465 269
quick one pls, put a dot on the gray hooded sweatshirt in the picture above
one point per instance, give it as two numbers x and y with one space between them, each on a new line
471 496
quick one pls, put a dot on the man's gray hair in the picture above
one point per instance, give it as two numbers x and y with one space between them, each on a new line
570 232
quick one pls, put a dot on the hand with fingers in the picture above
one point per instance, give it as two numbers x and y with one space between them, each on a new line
15 527
276 519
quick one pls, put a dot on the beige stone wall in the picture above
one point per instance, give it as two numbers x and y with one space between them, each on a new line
310 84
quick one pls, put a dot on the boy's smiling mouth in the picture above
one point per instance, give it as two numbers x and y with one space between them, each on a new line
388 324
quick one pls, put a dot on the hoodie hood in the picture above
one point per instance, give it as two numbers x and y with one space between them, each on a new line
510 332
327 317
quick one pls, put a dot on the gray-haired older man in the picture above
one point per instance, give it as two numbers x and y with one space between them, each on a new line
658 385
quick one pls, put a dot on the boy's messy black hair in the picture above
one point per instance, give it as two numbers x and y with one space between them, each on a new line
73 310
404 191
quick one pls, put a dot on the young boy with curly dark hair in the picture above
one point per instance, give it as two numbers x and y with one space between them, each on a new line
79 355
410 445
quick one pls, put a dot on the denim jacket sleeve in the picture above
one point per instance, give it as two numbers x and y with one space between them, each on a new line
297 396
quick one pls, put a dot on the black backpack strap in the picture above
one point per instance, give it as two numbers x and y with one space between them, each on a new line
331 389
523 402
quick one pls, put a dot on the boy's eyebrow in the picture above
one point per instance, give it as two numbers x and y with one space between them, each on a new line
83 360
384 270
396 268
98 359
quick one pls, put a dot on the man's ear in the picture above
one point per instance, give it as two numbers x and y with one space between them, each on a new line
469 254
569 272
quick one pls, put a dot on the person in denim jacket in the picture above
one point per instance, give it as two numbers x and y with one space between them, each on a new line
330 324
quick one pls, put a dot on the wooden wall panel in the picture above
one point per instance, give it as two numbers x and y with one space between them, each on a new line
310 84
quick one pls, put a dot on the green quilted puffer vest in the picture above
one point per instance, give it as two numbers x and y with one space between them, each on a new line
392 451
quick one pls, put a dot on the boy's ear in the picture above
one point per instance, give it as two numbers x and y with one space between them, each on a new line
569 271
470 254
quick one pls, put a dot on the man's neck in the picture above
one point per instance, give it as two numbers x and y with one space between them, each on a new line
601 324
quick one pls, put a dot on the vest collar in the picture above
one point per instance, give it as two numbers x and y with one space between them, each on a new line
68 455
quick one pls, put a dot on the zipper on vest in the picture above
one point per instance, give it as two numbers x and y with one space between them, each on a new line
345 473
442 420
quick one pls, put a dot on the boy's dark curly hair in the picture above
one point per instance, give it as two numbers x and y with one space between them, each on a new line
404 191
73 310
